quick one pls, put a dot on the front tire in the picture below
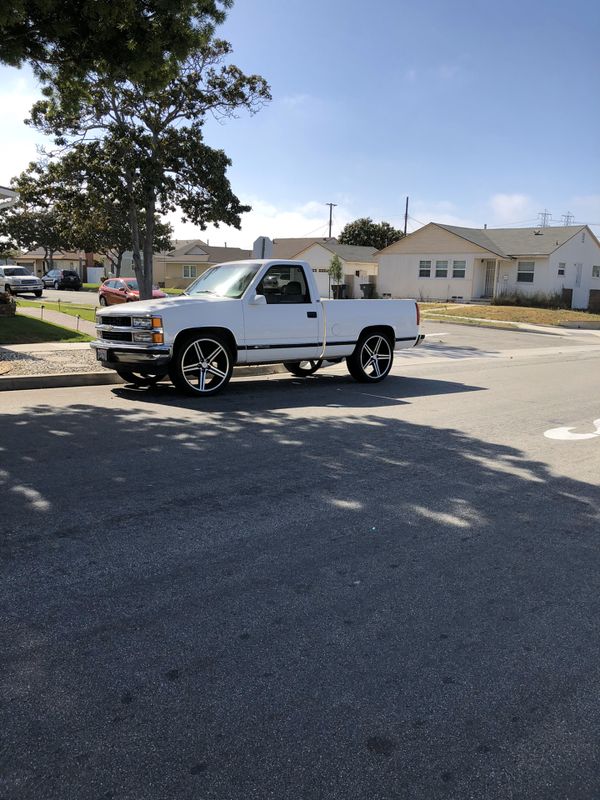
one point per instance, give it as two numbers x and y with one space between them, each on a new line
56 285
302 369
8 289
202 365
38 294
140 378
102 301
372 358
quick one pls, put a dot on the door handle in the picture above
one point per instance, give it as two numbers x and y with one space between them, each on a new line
311 314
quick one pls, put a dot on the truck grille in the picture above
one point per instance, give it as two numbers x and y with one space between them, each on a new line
116 336
121 322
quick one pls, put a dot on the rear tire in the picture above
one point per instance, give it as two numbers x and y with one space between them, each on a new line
202 365
56 285
141 378
372 358
302 369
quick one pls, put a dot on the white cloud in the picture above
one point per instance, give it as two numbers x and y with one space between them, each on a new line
17 141
510 208
265 219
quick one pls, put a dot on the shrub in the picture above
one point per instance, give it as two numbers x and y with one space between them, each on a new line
535 300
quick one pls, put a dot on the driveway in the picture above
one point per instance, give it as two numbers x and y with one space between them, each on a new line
308 589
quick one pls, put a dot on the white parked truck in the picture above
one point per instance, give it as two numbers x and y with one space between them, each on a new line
252 312
18 280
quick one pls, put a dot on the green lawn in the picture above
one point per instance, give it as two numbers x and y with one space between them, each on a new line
25 330
85 312
173 291
537 316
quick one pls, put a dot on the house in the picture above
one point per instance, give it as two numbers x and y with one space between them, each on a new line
446 262
37 261
359 265
8 198
289 248
177 268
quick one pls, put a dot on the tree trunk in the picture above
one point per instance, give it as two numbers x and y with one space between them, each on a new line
146 289
118 264
135 243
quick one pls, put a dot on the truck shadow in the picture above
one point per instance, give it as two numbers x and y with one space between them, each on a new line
284 391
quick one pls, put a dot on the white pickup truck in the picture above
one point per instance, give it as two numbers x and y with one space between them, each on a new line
252 312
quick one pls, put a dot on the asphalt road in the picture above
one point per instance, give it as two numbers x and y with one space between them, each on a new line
308 589
80 298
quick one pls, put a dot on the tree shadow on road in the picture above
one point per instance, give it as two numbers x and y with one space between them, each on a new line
232 602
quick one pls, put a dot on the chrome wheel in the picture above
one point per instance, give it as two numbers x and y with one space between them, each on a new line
376 356
372 359
204 366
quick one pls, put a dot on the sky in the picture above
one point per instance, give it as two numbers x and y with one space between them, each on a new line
479 112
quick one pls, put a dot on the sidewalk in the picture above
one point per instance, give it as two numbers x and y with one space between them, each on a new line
555 330
58 318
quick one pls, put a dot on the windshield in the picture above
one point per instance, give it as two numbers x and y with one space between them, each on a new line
132 285
10 271
225 280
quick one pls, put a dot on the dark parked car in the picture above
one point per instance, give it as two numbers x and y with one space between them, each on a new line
122 290
62 279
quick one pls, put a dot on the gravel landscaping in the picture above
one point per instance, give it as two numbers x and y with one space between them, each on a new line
47 363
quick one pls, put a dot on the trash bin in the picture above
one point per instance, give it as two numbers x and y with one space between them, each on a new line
368 290
340 291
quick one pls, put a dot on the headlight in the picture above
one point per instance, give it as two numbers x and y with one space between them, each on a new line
98 319
141 322
142 336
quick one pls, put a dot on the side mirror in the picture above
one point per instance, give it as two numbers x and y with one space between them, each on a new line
258 300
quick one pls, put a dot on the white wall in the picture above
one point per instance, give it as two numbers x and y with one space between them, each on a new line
586 253
319 259
399 276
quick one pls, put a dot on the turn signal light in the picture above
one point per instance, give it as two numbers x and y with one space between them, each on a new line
156 322
158 338
418 314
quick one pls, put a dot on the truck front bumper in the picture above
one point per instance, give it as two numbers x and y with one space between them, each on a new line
120 355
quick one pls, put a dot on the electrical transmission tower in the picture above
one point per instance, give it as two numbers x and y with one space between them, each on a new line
568 218
545 217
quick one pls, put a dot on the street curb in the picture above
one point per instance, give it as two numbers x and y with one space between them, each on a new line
104 378
58 380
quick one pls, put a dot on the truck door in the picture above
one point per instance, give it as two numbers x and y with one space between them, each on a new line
286 326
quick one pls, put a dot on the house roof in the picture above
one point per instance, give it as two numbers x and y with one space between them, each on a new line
288 248
199 251
510 242
57 255
348 252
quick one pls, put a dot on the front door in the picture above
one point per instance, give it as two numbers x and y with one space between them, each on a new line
490 273
286 327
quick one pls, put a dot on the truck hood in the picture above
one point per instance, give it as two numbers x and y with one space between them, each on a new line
158 306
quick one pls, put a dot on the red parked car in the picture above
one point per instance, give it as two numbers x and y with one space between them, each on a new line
122 290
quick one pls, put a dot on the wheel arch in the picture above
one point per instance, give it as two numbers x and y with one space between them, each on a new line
208 329
386 330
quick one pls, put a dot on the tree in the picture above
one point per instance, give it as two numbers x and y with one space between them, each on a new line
366 233
153 142
35 221
336 271
142 40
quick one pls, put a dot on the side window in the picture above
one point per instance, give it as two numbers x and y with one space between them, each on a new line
284 283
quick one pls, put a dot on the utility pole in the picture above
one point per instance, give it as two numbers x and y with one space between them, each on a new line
331 207
545 217
568 218
406 216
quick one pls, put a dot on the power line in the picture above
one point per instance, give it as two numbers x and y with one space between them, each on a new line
545 216
568 218
331 207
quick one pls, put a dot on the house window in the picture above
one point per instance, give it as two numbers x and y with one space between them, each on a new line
424 269
595 272
525 271
189 270
561 267
322 270
441 269
458 269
